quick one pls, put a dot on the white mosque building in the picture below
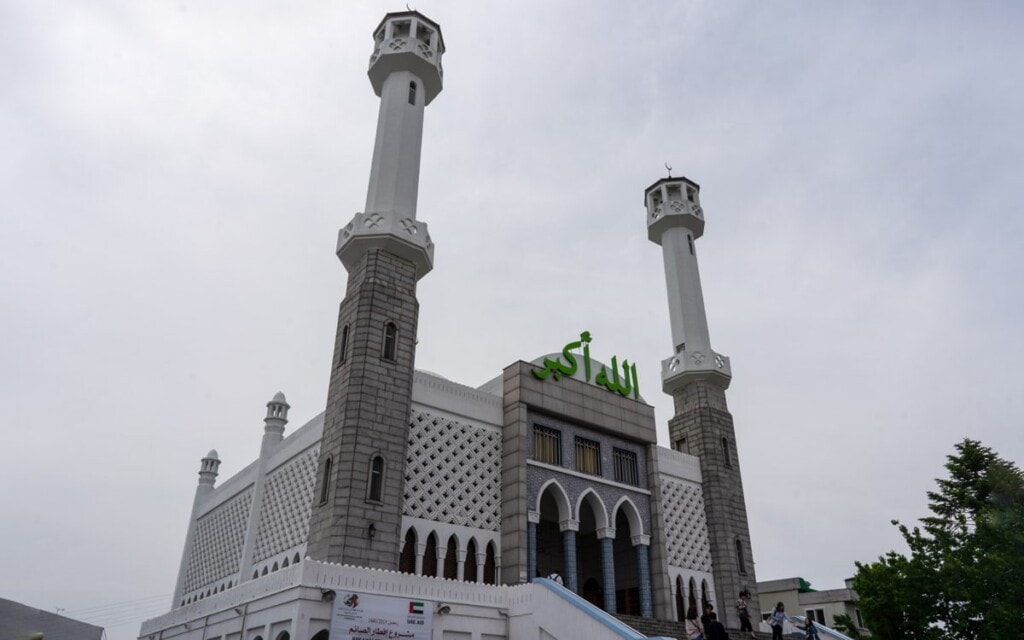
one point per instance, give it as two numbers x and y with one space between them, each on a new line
418 507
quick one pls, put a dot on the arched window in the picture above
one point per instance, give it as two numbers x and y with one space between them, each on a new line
469 572
412 93
275 567
284 635
321 635
430 556
265 570
741 561
390 341
407 561
285 563
375 491
255 574
704 599
489 565
725 452
325 482
691 602
229 584
680 600
296 559
344 345
451 559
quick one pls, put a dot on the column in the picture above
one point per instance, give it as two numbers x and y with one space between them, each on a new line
569 529
420 549
607 538
532 519
642 544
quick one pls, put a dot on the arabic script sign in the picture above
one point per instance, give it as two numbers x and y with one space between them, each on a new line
361 616
567 366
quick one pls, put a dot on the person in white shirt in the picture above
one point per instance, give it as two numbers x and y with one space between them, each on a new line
556 577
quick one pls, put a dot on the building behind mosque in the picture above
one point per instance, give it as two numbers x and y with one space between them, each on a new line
418 507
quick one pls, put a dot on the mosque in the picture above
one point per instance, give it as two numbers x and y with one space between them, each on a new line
418 507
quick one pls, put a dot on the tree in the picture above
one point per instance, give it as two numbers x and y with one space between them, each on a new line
963 578
844 624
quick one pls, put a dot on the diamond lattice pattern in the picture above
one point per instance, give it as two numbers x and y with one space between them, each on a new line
218 542
686 526
453 472
284 516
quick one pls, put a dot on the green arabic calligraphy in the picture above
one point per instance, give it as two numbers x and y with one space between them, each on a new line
556 368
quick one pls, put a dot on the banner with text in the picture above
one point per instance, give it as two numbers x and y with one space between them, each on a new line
361 616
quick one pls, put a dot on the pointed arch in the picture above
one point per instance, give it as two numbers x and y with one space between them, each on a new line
628 509
469 570
600 511
296 559
705 598
451 558
490 564
407 560
691 602
680 599
430 556
561 498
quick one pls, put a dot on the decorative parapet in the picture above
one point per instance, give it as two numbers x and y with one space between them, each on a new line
401 235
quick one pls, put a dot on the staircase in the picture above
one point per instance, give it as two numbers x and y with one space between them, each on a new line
674 628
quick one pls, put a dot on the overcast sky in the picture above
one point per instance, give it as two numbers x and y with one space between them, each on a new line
173 176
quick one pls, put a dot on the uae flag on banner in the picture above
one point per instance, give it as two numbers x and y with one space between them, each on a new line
415 607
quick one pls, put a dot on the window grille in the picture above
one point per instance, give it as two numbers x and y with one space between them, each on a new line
376 479
625 467
588 456
547 445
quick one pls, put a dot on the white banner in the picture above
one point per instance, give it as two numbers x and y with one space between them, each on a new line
360 616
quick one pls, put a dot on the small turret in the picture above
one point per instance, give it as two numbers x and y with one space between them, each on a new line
277 418
208 469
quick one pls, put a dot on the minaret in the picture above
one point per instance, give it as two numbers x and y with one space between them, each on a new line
696 377
357 504
273 434
208 468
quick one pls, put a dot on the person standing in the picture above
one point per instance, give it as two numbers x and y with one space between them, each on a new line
705 620
715 629
776 619
556 577
744 613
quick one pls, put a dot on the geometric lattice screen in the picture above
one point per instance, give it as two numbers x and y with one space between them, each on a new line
287 500
217 546
686 526
453 473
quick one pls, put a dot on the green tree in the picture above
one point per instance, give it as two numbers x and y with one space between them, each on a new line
963 578
844 624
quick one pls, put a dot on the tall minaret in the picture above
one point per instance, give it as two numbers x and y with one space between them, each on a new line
357 504
696 377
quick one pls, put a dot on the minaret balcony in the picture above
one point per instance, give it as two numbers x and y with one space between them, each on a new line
402 236
408 41
687 366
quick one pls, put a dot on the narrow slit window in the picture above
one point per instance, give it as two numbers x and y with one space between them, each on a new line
726 456
344 345
741 561
412 93
689 240
326 482
390 341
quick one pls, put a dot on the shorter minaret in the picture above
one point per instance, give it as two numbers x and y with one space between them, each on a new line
696 377
208 469
273 434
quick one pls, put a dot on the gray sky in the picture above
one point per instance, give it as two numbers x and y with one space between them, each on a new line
173 176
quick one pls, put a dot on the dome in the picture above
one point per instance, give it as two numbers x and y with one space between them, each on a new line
212 455
279 398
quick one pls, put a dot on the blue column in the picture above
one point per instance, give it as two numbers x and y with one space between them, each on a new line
644 569
531 551
608 569
569 549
